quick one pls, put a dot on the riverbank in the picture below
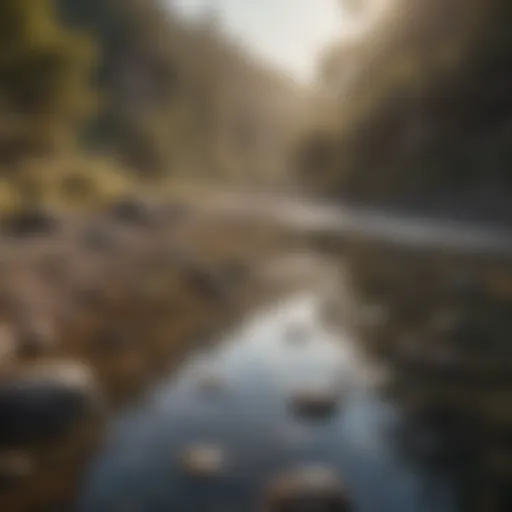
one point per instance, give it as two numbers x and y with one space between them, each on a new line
98 307
440 321
289 395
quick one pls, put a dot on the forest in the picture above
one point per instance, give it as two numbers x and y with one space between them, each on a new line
418 112
97 93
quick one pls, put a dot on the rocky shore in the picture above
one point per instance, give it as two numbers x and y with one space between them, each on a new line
94 307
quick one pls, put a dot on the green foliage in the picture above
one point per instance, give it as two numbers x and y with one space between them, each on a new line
169 90
131 80
43 79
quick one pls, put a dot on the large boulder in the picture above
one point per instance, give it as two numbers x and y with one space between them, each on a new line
45 403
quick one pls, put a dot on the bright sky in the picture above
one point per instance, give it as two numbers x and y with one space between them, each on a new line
289 33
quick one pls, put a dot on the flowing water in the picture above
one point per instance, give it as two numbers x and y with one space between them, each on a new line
247 416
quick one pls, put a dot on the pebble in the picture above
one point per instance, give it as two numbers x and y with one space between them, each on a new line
203 460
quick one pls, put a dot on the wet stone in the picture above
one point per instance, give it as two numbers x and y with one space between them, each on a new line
44 404
307 489
314 403
203 460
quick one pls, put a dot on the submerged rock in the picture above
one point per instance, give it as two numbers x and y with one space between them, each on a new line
314 402
45 403
203 460
306 489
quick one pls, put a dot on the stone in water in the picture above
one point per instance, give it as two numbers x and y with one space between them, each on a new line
203 460
310 488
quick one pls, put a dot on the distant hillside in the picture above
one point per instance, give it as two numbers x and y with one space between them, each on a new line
175 96
420 112
131 83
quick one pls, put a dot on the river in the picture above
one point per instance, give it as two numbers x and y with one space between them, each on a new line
257 366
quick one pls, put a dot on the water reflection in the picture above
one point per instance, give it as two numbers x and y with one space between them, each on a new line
248 419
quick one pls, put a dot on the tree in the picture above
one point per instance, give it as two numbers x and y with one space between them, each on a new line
44 86
426 111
